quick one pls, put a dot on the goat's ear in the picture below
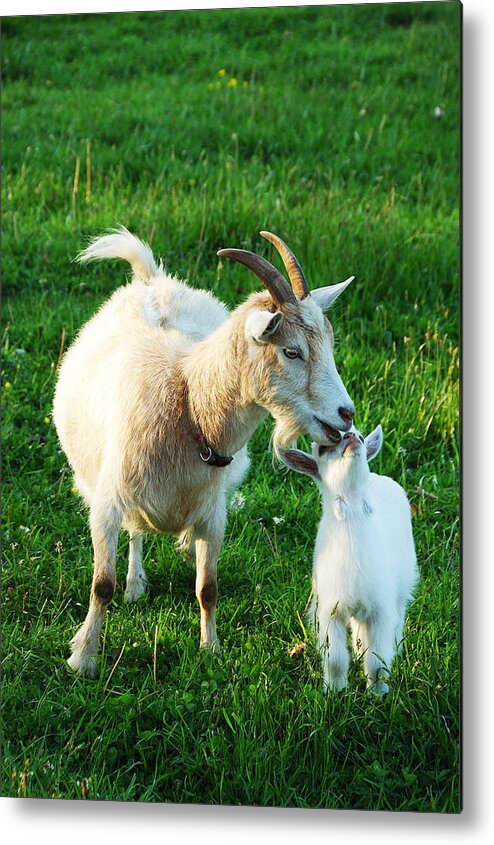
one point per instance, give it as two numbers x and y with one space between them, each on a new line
261 324
300 462
326 296
373 443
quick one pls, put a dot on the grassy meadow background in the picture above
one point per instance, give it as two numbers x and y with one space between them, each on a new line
337 128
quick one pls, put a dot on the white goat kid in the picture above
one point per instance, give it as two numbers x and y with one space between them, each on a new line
365 568
163 388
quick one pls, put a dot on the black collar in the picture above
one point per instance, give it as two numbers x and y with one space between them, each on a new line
209 456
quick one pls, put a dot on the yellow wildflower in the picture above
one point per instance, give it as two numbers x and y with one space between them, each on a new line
47 419
7 385
232 82
221 72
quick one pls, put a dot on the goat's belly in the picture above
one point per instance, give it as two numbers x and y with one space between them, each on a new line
159 514
140 520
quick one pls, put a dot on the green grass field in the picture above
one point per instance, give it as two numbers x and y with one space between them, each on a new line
337 128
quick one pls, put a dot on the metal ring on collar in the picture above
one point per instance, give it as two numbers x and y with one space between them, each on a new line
208 457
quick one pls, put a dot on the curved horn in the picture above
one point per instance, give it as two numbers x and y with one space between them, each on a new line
292 266
271 278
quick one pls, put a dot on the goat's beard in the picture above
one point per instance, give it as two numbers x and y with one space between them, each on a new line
285 434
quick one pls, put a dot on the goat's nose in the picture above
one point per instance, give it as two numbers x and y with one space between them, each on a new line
347 414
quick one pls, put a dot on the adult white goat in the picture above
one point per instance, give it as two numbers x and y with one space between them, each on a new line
365 567
163 388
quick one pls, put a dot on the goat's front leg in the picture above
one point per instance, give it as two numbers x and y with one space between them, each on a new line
208 544
105 519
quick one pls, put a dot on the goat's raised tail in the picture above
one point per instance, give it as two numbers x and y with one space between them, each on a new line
120 243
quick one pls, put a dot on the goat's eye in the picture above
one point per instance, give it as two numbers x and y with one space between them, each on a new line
291 353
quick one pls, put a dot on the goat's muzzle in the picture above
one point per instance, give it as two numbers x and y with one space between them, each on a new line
331 433
351 441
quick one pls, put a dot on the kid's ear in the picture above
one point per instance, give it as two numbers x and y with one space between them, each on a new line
300 462
373 442
260 325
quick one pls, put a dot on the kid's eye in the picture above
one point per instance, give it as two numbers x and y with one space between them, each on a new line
291 353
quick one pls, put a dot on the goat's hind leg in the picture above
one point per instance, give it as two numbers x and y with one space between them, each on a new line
105 519
381 648
185 545
334 653
136 575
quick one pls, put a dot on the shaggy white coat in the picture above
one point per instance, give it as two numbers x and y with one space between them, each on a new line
365 569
